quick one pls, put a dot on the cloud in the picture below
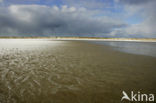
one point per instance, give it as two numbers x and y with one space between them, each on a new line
135 2
146 9
78 18
1 1
90 4
37 20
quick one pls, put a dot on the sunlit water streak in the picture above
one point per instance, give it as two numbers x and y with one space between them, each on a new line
140 48
27 44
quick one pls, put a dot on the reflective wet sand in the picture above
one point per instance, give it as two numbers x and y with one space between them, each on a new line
45 71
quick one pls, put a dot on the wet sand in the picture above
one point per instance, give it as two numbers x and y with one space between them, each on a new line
73 72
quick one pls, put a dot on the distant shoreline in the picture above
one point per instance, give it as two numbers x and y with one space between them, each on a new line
87 38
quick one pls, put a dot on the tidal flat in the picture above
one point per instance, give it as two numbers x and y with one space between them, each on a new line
60 71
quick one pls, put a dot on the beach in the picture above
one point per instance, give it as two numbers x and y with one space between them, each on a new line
73 71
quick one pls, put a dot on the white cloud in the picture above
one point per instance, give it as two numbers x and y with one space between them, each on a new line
80 18
147 11
40 20
1 1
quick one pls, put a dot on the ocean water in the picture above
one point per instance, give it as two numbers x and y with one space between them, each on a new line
139 48
48 71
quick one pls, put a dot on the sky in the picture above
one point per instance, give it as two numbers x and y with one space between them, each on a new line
80 18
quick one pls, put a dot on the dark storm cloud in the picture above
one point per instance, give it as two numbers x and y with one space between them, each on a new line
35 20
136 2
